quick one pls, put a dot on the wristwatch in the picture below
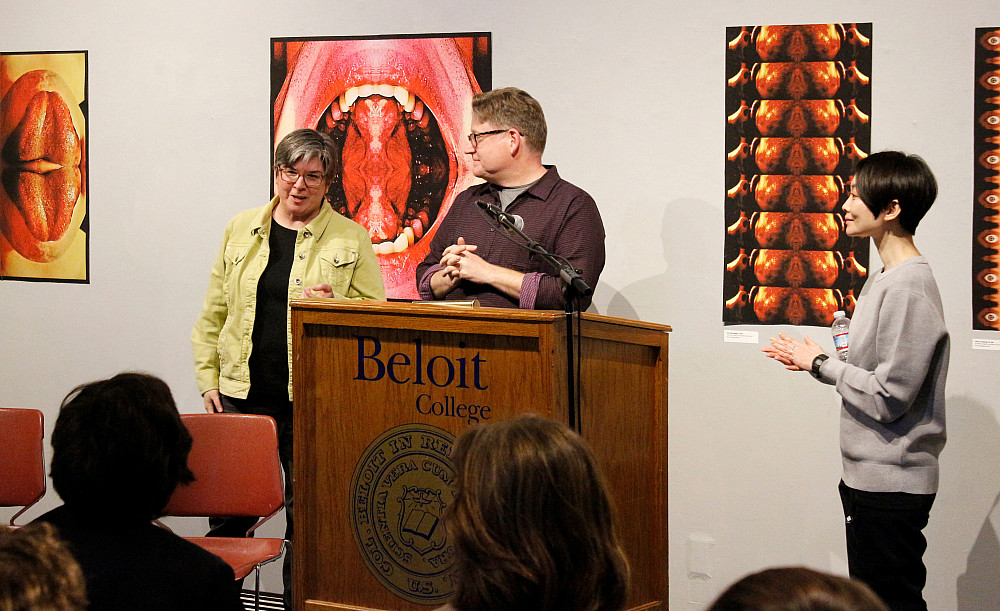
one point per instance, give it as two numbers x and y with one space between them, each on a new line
817 363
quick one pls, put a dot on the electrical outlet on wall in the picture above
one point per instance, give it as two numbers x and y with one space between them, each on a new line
701 557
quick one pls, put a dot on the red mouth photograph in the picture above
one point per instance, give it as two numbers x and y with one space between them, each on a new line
398 109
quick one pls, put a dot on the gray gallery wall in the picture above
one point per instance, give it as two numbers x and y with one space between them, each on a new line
179 124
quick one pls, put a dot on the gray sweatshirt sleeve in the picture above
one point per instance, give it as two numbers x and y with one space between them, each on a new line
909 331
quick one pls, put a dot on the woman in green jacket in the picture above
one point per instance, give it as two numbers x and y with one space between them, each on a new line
293 247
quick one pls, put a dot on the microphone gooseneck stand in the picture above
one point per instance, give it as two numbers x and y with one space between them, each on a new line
574 287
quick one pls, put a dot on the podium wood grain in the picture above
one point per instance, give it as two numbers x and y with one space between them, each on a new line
522 365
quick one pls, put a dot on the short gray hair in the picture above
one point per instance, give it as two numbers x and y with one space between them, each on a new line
304 144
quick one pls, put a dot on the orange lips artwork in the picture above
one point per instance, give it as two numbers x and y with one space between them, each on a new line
797 104
43 167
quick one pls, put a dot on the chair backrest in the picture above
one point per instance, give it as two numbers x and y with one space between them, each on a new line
22 465
234 458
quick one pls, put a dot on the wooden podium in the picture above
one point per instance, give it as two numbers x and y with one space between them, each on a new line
381 391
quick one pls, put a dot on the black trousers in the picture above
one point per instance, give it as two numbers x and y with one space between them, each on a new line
281 411
885 543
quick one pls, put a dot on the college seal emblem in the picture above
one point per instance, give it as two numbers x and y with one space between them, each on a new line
400 488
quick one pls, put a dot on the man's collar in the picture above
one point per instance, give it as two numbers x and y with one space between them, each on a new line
540 189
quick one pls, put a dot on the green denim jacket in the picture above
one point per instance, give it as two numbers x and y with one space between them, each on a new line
330 249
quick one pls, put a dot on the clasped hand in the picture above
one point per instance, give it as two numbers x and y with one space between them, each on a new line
319 290
793 354
459 262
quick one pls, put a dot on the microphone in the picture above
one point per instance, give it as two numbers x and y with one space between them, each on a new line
517 220
503 218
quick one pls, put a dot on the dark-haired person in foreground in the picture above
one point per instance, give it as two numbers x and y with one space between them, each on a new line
37 572
797 589
470 258
892 425
119 449
531 522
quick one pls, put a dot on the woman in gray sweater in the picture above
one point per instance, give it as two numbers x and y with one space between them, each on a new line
892 425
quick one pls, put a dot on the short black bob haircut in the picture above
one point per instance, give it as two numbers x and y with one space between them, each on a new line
119 447
888 176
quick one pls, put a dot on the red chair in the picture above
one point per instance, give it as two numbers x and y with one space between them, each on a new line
237 472
22 466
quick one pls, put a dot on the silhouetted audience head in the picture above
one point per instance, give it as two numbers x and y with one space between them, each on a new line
119 447
797 589
531 522
37 573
